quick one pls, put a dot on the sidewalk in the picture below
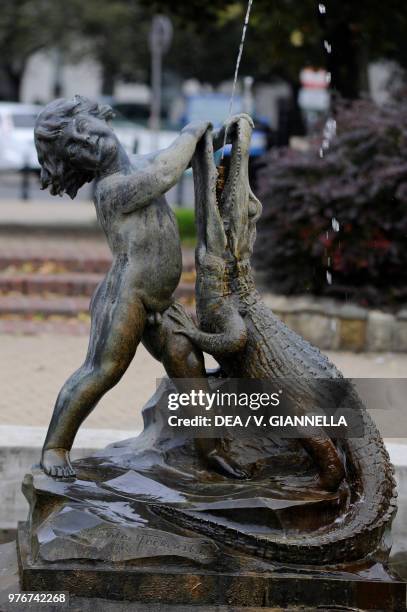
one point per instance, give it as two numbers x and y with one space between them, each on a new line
33 369
57 214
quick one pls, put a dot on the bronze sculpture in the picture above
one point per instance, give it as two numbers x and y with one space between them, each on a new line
149 517
134 302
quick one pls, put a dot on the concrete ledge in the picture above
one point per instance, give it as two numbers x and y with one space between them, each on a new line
38 216
333 325
24 437
20 448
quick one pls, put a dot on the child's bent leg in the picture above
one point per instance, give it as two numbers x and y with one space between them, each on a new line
183 360
116 331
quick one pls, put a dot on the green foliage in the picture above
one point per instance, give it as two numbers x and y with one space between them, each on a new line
186 223
362 183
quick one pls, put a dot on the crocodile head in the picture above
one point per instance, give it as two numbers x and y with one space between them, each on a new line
238 206
225 225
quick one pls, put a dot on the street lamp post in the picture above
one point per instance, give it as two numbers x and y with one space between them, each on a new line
160 40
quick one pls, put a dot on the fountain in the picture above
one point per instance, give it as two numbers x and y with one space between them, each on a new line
238 516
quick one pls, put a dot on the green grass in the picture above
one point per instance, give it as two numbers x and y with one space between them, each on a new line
186 223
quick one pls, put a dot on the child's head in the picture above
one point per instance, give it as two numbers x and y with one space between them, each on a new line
73 141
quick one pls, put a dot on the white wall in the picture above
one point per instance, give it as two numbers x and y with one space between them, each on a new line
38 83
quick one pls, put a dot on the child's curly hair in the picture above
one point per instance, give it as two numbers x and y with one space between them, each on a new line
55 173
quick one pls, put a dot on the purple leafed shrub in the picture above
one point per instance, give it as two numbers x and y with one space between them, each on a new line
361 181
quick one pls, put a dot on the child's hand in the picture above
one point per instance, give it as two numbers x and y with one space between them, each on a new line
197 128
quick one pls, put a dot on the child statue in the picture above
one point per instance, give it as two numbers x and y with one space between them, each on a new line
132 304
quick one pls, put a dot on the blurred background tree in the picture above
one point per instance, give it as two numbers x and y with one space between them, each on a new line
284 35
26 26
115 33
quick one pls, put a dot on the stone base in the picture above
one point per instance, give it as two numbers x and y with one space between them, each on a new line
180 586
146 521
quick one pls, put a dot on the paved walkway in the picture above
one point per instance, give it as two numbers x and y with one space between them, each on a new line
56 212
33 368
32 247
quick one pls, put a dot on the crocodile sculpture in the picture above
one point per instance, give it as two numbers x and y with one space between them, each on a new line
249 341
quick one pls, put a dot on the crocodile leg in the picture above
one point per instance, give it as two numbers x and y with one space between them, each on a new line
323 451
231 339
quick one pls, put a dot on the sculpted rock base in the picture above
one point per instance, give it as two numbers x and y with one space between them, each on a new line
145 521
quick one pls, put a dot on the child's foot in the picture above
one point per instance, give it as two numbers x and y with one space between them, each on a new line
55 462
225 466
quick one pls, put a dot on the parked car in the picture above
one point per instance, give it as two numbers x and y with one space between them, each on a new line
137 139
216 107
128 133
131 126
135 112
17 149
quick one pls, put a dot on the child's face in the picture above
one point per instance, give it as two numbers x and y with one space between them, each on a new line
87 143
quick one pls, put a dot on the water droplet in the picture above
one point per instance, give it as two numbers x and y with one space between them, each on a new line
328 47
329 261
335 224
330 128
328 277
328 78
329 132
322 8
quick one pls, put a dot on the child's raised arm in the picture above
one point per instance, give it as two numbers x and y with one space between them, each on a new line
161 171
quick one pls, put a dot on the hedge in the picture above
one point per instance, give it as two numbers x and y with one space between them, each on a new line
360 184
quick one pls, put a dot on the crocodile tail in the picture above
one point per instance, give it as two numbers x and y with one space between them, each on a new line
363 531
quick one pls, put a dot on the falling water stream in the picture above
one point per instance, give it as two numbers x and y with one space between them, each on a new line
329 132
239 57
